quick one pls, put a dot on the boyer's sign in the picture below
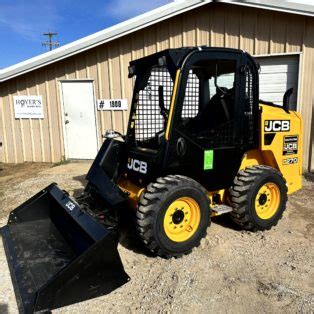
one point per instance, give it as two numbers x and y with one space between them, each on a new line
28 107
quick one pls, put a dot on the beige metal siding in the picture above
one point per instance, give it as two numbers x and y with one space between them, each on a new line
307 94
254 30
311 153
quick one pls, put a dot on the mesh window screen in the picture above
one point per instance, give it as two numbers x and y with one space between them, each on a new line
191 99
149 120
223 134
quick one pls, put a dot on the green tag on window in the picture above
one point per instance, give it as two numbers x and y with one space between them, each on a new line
208 159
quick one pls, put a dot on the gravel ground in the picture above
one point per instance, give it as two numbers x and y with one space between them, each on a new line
232 271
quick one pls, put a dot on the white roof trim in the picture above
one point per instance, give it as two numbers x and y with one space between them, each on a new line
278 54
137 23
287 6
108 34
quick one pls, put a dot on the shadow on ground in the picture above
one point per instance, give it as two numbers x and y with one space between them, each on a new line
309 176
127 231
129 240
4 308
226 222
83 181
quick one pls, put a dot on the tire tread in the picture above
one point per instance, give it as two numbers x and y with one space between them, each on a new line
243 183
148 207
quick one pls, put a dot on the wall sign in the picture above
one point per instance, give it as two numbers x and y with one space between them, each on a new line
28 107
112 104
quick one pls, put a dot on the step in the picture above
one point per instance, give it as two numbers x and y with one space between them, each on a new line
218 210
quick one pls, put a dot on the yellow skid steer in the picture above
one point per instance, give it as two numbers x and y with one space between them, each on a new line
200 143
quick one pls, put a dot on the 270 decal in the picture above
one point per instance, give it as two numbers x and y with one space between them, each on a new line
290 161
277 126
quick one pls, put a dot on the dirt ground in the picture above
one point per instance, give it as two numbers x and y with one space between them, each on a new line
232 271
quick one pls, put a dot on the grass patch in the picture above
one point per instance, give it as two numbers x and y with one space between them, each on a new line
63 161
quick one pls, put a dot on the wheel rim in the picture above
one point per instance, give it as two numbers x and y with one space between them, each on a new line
182 219
267 200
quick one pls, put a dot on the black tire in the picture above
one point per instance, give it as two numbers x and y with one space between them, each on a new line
152 209
243 194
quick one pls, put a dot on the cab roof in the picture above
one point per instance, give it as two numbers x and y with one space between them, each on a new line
176 56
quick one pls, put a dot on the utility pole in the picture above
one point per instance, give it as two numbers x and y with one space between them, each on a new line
49 43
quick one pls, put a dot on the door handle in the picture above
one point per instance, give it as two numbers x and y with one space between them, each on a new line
67 121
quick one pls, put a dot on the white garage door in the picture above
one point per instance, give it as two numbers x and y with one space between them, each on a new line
278 73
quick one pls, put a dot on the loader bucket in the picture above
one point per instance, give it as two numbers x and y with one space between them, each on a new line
58 254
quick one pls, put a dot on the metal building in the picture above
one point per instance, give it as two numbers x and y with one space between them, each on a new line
69 83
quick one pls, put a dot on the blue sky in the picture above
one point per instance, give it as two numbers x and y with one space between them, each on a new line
23 21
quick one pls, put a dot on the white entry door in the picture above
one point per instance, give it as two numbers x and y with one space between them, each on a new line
79 119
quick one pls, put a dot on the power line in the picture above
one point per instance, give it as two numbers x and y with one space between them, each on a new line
50 43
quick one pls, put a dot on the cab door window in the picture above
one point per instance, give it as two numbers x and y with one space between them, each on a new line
213 110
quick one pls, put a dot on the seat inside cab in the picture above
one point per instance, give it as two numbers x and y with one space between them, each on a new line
216 84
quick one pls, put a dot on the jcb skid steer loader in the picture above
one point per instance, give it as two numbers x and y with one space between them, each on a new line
199 143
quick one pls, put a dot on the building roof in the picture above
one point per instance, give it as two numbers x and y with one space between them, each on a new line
152 17
303 7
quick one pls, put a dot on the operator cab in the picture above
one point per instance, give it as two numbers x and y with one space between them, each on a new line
189 102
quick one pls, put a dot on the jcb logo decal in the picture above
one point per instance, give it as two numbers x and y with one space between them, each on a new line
277 126
137 165
290 145
69 205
